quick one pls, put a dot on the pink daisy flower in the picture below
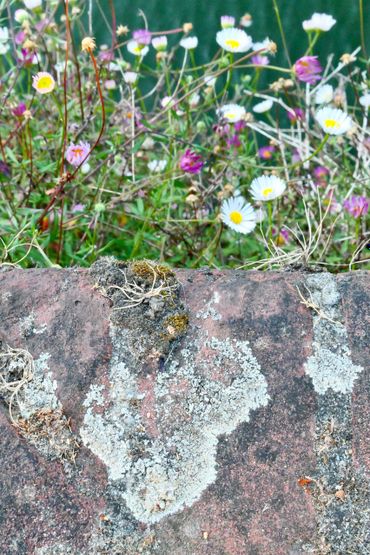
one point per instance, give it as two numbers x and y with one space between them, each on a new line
76 154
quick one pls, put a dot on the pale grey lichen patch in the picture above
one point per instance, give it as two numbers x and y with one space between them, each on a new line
330 365
161 475
27 326
209 310
40 392
94 396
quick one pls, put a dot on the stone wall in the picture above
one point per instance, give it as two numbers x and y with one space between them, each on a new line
188 413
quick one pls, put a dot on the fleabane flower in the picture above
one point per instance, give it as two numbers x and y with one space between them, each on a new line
238 214
160 43
231 112
189 43
356 206
76 154
32 4
234 40
21 15
43 82
227 21
267 187
324 94
334 121
130 77
308 69
365 100
136 48
263 106
142 36
319 22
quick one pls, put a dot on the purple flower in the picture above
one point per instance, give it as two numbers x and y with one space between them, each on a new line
19 110
4 170
356 206
76 154
234 141
20 37
142 36
266 152
106 56
259 60
239 126
28 57
298 115
77 208
320 173
308 69
191 162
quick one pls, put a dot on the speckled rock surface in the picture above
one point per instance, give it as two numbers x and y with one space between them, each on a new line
196 413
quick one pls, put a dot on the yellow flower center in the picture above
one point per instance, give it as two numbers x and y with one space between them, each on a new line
77 151
267 191
236 217
232 43
332 123
229 115
44 82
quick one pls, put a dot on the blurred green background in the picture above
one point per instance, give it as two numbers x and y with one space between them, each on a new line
205 15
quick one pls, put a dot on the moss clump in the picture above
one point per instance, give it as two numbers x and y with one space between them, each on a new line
175 326
147 270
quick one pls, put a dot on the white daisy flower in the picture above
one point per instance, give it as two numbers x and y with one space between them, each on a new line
227 21
4 48
365 100
234 40
324 94
32 4
189 43
267 187
263 106
231 112
157 166
4 34
130 77
160 43
319 22
334 121
137 49
21 15
238 214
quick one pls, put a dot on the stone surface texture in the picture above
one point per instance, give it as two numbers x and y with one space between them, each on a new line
197 413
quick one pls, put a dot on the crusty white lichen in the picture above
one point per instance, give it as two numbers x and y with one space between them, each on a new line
161 475
40 392
330 365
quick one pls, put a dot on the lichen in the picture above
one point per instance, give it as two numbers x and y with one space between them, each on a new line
330 366
160 475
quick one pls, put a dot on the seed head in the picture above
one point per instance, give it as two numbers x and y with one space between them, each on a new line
88 44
